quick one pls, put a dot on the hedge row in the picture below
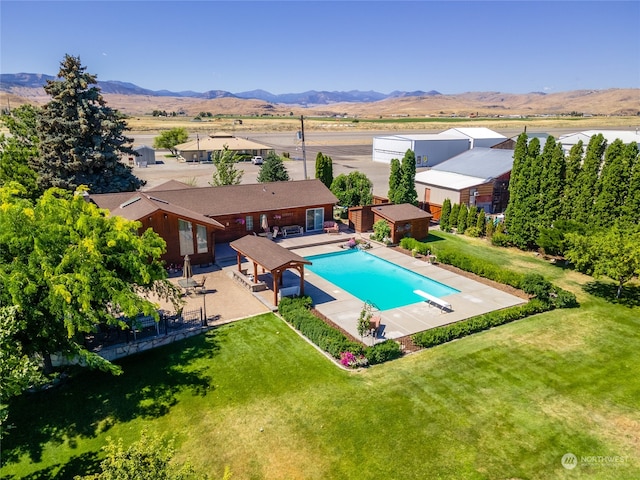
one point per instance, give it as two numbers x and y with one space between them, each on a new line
531 283
438 335
297 312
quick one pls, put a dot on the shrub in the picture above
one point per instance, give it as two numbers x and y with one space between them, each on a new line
382 352
536 285
473 231
381 230
439 335
499 239
564 299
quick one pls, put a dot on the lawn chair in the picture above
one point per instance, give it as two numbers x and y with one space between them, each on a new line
199 286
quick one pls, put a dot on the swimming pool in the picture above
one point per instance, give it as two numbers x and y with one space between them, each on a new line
373 279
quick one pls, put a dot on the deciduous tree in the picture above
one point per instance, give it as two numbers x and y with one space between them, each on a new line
613 252
588 178
552 182
19 149
81 138
353 190
226 172
170 138
68 267
571 188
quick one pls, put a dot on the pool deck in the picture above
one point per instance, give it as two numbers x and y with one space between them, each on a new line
344 309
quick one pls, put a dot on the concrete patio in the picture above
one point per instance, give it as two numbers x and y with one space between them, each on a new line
344 309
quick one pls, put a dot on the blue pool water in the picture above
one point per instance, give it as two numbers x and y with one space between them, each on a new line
373 279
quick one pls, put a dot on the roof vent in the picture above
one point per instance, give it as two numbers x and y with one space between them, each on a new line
158 200
129 202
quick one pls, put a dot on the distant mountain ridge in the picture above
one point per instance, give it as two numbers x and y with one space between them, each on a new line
17 82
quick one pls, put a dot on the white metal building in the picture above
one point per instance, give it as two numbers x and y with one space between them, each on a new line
433 148
627 136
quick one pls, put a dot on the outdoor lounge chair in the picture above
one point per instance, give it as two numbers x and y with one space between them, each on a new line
331 227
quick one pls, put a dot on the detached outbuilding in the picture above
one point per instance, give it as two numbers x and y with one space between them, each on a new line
478 178
146 156
404 220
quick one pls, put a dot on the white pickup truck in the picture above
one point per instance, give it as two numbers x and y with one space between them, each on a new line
257 160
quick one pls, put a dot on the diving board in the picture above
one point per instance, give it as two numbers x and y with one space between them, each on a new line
430 299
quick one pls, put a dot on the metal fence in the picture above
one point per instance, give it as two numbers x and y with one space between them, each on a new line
144 327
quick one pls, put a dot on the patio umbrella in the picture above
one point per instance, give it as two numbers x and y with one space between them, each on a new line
265 223
186 269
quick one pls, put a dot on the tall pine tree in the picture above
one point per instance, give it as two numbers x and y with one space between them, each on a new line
273 170
81 138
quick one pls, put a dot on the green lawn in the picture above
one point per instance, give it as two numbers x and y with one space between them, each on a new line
505 403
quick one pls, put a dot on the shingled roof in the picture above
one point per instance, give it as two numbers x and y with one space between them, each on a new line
400 213
137 205
267 253
248 198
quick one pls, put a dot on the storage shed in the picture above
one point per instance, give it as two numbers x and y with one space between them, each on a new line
146 156
404 220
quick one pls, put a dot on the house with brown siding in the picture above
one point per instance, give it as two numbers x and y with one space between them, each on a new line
233 211
478 177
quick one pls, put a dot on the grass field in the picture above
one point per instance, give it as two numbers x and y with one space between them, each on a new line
505 403
142 123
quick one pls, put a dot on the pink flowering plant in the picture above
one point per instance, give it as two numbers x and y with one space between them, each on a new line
348 359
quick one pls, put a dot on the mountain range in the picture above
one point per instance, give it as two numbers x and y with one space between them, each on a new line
19 88
17 82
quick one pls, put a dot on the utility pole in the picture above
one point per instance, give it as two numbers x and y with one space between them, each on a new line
304 152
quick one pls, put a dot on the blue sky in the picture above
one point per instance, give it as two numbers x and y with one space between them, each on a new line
296 46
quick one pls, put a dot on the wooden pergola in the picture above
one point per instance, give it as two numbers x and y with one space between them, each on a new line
271 257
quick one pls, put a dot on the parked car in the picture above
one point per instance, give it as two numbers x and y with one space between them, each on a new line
257 160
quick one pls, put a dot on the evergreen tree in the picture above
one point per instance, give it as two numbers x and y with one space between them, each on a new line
588 179
630 213
462 218
445 216
273 170
514 212
472 216
612 185
490 228
572 170
408 183
481 222
324 169
81 139
395 180
552 182
226 172
523 208
453 218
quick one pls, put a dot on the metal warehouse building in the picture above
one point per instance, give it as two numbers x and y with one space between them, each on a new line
433 148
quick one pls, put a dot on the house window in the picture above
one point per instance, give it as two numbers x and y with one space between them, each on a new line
186 237
201 239
249 223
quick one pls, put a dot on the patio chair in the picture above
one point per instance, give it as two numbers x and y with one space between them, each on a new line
199 287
